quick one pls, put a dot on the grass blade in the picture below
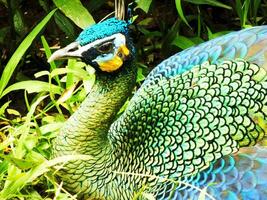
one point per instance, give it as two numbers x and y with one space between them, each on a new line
32 86
210 2
16 57
180 12
182 42
15 185
48 54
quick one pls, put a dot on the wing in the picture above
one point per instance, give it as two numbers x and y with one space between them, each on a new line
248 44
240 176
186 115
181 124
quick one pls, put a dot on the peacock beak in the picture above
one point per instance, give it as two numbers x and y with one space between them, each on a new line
73 50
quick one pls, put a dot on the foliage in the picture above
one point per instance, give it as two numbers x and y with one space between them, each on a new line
37 97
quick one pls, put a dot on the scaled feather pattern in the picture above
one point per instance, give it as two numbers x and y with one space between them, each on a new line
195 123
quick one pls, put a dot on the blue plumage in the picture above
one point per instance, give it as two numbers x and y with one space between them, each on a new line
242 176
102 30
241 45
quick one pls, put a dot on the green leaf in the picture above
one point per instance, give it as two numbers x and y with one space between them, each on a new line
14 186
144 4
256 5
16 57
140 76
51 127
20 163
80 73
41 73
238 6
197 40
33 86
70 76
210 2
13 112
245 12
182 42
180 11
4 107
48 54
76 12
3 167
218 34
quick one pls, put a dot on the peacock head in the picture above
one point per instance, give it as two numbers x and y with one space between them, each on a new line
106 46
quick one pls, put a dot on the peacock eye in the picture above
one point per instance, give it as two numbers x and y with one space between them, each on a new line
105 48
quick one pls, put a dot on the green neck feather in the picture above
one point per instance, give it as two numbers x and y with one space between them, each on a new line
85 132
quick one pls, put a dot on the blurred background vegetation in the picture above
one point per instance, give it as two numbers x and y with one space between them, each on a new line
36 97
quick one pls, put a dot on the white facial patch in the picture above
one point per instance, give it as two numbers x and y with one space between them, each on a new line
75 49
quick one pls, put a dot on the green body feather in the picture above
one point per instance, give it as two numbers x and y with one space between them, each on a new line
191 113
171 129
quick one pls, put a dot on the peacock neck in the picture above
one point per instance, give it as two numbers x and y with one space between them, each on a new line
85 132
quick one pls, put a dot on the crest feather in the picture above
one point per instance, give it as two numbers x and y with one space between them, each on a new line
120 9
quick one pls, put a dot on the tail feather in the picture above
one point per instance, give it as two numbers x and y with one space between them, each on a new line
240 176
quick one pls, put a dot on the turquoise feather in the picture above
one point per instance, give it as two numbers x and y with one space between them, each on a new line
98 31
242 176
231 46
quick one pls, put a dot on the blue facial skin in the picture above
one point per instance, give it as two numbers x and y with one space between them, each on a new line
102 30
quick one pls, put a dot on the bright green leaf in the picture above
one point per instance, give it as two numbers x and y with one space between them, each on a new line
4 107
218 34
20 163
76 12
16 57
180 11
13 112
182 42
144 4
81 73
140 76
41 73
33 86
48 54
22 179
51 127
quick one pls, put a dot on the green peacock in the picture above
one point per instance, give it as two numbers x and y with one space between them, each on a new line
194 123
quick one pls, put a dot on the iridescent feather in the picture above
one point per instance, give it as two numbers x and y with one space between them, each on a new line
240 176
188 122
196 107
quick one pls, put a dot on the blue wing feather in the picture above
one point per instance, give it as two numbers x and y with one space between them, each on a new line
240 176
241 44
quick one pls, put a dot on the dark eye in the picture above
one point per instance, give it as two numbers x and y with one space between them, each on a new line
105 48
